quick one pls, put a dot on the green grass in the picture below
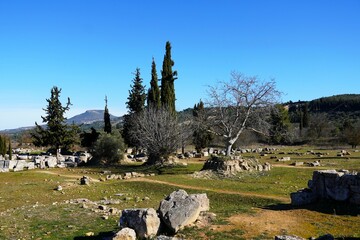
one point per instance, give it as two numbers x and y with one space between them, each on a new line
30 208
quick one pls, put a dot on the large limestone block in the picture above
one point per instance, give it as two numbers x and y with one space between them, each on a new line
125 234
302 197
144 221
203 201
179 210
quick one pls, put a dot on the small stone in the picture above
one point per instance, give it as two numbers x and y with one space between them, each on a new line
89 234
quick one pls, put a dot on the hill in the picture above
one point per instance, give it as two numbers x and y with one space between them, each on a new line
89 117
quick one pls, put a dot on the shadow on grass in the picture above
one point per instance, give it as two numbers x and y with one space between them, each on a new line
101 236
323 206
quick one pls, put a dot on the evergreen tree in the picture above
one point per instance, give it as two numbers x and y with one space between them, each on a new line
280 125
137 96
88 139
153 97
168 76
201 136
135 105
305 116
2 146
57 133
107 127
10 150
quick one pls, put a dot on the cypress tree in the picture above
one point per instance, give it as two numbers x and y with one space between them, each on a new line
107 127
153 97
2 143
305 115
168 76
10 150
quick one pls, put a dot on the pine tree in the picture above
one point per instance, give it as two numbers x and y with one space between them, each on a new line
135 105
153 97
107 127
137 96
168 76
57 133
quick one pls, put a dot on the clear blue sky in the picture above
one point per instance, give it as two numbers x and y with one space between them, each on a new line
90 49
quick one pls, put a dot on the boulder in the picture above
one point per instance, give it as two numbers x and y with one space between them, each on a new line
203 201
125 234
50 162
288 237
144 221
179 210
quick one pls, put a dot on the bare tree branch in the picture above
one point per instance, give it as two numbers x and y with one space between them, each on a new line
239 104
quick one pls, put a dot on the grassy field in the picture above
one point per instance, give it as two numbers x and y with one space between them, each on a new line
250 206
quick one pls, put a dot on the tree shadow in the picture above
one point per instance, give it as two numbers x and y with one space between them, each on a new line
101 236
322 206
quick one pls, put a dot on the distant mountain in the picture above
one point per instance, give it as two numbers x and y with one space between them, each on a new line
89 117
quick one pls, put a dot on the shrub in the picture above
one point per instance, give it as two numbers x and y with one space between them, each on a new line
109 148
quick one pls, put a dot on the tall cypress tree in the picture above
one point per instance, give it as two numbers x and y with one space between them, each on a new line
167 80
153 97
107 127
10 150
2 146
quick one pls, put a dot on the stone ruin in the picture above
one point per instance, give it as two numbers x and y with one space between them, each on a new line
232 166
26 162
329 184
175 212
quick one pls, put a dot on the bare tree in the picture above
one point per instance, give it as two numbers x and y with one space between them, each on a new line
242 103
157 131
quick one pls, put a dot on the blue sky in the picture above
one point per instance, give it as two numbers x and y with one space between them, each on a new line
91 48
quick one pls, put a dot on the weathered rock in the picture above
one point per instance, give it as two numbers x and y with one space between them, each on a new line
288 237
330 184
162 237
4 165
203 201
179 210
85 180
144 221
125 234
234 165
50 162
302 197
284 159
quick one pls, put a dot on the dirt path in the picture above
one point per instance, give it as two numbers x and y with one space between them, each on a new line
247 194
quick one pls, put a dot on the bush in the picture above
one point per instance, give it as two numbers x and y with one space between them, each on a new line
109 148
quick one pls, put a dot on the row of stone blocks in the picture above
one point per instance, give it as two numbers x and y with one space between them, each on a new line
329 184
